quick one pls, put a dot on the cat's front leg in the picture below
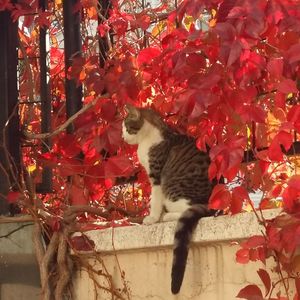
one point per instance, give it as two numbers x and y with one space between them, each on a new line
156 205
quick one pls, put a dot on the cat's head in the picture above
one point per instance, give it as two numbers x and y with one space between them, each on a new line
140 123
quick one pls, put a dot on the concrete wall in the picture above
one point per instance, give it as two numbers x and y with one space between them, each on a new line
19 274
144 254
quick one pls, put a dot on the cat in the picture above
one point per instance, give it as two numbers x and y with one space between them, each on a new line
178 173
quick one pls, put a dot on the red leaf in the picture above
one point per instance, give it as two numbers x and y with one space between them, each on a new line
287 86
103 29
108 111
54 223
241 192
250 292
265 204
77 195
253 254
12 197
242 256
220 197
111 137
293 116
275 67
239 195
297 284
282 138
70 166
82 243
224 9
293 54
294 182
68 145
265 278
147 55
118 166
262 254
276 190
120 26
95 175
254 241
291 195
285 139
280 100
5 4
142 21
274 151
294 113
235 52
252 113
212 171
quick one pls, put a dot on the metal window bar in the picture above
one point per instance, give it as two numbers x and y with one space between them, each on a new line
9 99
72 45
46 185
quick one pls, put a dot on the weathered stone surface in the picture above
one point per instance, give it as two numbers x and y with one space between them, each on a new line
144 253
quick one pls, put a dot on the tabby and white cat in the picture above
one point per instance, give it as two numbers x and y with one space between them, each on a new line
178 175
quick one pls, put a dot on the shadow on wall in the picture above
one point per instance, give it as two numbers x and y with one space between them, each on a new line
19 269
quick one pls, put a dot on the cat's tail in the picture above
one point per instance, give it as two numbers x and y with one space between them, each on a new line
183 234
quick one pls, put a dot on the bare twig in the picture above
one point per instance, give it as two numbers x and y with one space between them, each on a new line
67 123
71 212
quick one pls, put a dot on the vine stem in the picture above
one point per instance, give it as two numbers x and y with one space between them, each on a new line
61 128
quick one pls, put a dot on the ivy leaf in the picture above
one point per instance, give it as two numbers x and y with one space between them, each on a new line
265 278
293 116
250 292
108 111
287 86
235 52
220 197
12 197
239 195
118 166
254 241
297 284
147 55
68 145
282 138
275 67
82 243
242 256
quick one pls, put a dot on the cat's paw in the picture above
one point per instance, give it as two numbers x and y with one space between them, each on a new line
150 220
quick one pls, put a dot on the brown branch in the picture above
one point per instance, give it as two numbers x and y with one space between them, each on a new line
44 266
71 212
138 220
64 272
20 219
37 242
67 123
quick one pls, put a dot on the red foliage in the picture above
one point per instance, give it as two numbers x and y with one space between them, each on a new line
225 84
250 292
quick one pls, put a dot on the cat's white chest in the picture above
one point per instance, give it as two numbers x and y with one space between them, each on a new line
149 136
143 155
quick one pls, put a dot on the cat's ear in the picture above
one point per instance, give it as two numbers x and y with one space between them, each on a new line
133 112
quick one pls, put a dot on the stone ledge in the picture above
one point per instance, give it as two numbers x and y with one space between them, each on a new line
211 229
